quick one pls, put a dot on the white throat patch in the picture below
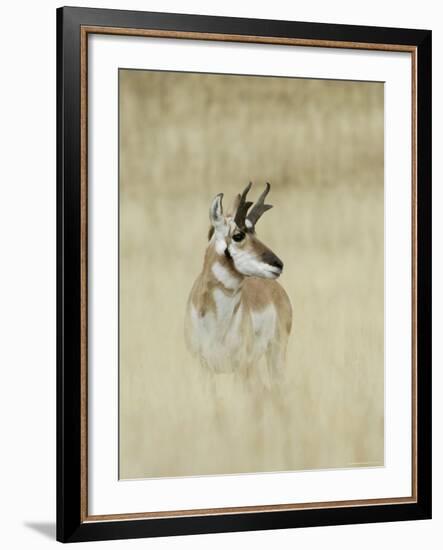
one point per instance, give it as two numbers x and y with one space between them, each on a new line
224 276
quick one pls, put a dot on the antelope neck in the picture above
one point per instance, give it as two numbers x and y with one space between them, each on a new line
221 273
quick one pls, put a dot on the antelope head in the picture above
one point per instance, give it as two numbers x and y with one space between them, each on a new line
235 236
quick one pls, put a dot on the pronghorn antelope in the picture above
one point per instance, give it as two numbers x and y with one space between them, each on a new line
237 313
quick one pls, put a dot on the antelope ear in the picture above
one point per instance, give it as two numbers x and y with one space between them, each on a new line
216 212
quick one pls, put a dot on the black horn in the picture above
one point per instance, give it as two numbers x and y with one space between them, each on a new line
259 207
243 207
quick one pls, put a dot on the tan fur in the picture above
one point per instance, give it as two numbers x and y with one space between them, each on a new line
237 313
254 296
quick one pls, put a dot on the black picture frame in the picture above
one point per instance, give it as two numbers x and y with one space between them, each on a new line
71 523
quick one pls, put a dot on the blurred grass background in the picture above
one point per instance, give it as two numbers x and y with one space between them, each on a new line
186 137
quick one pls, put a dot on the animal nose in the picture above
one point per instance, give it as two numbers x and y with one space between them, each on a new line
272 259
277 263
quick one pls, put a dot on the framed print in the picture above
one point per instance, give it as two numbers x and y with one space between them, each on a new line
244 274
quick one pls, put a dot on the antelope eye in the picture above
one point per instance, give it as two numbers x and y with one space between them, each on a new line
238 237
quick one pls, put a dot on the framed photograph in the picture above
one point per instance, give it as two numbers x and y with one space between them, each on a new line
244 274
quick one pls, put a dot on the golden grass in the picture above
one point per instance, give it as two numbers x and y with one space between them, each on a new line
320 144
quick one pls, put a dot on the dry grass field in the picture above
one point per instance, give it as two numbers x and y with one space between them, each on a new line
186 137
